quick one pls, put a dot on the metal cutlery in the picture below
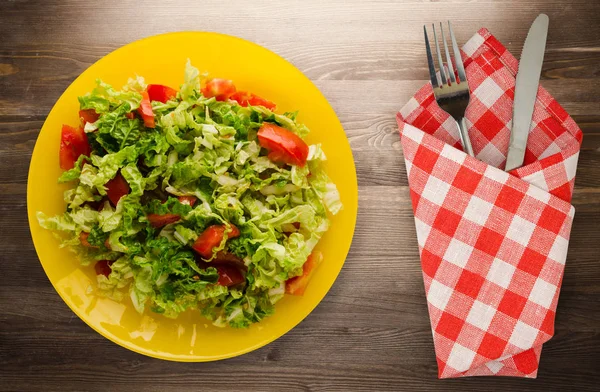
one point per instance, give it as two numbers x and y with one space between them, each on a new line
451 94
528 78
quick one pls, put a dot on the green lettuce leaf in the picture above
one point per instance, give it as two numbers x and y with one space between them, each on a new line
204 148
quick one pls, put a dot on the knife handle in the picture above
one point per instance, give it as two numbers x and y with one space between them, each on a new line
464 136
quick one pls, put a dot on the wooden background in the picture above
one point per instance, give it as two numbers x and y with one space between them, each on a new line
372 331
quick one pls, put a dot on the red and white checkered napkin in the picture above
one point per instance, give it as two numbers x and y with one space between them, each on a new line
493 244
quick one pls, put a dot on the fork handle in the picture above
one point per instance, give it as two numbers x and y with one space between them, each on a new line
464 136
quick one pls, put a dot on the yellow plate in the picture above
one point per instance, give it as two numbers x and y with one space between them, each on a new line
161 59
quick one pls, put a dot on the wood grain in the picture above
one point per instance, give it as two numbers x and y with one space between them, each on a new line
372 331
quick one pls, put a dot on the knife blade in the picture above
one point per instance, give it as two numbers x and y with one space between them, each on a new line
528 78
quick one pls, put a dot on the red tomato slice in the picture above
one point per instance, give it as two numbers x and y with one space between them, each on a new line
234 233
245 98
116 189
73 143
241 97
130 115
145 110
297 284
226 258
66 157
283 145
189 200
158 92
277 156
255 100
102 267
211 238
221 89
229 275
157 220
88 115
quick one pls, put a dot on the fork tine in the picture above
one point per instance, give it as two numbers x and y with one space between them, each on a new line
439 56
457 57
432 75
448 59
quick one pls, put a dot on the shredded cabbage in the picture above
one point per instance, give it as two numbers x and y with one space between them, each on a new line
204 148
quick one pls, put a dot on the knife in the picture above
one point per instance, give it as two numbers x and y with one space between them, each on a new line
528 78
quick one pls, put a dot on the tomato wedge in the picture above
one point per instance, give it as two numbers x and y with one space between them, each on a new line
102 267
225 258
73 143
160 220
283 145
234 233
158 92
229 275
211 238
297 284
241 97
245 98
221 89
255 100
231 268
157 220
189 200
88 116
117 188
130 115
145 110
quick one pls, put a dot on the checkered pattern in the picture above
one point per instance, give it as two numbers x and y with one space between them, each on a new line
493 244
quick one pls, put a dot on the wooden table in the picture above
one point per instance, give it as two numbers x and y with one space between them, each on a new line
372 331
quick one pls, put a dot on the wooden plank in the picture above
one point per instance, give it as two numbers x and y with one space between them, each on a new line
32 78
339 20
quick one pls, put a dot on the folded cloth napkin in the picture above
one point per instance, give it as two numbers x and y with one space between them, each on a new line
493 244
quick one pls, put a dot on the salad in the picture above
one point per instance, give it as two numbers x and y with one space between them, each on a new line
198 198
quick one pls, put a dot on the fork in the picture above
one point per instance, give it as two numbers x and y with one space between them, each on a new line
451 95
